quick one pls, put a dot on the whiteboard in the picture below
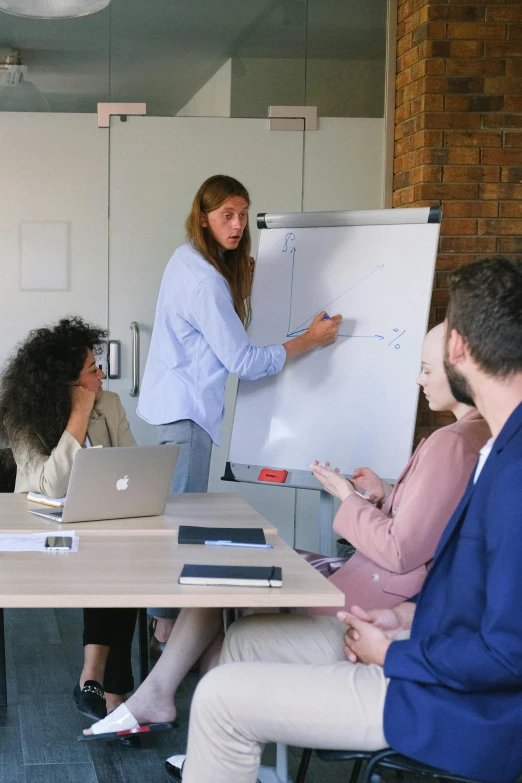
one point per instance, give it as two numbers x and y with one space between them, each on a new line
354 402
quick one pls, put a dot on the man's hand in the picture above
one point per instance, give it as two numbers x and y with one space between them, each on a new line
364 641
332 481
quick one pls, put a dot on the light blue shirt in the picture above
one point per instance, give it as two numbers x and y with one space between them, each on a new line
196 341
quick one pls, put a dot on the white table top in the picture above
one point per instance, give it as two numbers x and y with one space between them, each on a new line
217 509
140 571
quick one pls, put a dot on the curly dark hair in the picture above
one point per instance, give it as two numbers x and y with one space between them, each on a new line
35 387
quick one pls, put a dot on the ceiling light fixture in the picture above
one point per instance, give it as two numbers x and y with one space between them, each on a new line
52 9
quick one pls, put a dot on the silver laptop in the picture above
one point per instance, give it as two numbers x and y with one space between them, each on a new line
115 483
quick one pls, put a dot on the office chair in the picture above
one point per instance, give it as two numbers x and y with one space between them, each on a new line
386 758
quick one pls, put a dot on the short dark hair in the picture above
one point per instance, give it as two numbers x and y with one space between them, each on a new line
486 310
35 387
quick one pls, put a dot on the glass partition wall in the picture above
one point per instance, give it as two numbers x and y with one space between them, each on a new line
200 58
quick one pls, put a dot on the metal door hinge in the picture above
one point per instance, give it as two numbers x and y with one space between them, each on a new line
292 118
106 110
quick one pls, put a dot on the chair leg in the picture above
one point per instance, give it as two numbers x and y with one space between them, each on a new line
143 644
3 675
374 763
303 766
356 770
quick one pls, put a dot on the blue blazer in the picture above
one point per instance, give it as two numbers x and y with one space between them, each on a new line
455 694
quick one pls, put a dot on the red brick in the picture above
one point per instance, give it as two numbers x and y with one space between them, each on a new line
404 44
425 174
404 162
402 113
452 261
462 156
407 196
513 139
464 48
402 180
502 120
468 244
403 79
510 245
427 138
503 84
504 157
445 190
511 209
473 102
503 49
471 173
396 199
474 67
512 174
404 10
460 120
513 103
429 31
402 146
430 67
408 59
501 191
410 23
515 31
440 298
491 226
507 13
476 31
470 209
472 139
435 156
458 226
457 13
514 66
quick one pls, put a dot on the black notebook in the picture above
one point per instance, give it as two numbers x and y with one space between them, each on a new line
194 534
248 576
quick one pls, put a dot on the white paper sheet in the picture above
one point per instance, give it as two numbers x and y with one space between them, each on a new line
33 542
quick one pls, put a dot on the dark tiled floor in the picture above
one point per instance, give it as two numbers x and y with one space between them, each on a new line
38 728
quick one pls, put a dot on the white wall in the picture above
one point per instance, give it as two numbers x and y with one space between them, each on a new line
213 99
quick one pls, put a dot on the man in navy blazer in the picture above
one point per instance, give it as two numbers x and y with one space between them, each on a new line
455 694
439 679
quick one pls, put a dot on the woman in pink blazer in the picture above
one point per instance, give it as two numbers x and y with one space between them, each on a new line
396 532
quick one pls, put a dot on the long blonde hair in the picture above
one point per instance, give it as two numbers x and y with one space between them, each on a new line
234 265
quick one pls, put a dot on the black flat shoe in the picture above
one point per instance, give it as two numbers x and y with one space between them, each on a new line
90 700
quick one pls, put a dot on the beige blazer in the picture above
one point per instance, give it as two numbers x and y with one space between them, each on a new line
49 474
396 543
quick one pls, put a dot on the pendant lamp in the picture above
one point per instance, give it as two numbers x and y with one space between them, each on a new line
52 9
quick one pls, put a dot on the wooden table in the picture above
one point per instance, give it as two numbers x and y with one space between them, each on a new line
217 509
137 562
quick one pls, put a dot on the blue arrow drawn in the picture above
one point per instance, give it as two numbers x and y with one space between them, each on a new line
299 330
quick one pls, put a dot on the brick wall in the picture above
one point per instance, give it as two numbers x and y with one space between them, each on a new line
458 132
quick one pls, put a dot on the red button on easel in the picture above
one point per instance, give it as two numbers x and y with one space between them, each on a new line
276 476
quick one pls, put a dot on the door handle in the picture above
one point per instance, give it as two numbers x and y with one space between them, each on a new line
135 388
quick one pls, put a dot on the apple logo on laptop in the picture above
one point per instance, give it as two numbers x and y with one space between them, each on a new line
122 483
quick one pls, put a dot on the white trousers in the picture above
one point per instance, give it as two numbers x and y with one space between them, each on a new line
284 679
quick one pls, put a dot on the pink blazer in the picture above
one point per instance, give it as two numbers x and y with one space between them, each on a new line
396 543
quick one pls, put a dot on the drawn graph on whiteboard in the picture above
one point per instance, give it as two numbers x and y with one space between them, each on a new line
296 324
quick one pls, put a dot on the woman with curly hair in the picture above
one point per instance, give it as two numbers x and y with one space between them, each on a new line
51 405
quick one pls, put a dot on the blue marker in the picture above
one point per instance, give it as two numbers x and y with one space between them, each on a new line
326 317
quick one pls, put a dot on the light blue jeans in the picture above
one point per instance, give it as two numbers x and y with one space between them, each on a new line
192 468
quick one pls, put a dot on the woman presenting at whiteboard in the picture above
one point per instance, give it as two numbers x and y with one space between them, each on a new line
199 334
